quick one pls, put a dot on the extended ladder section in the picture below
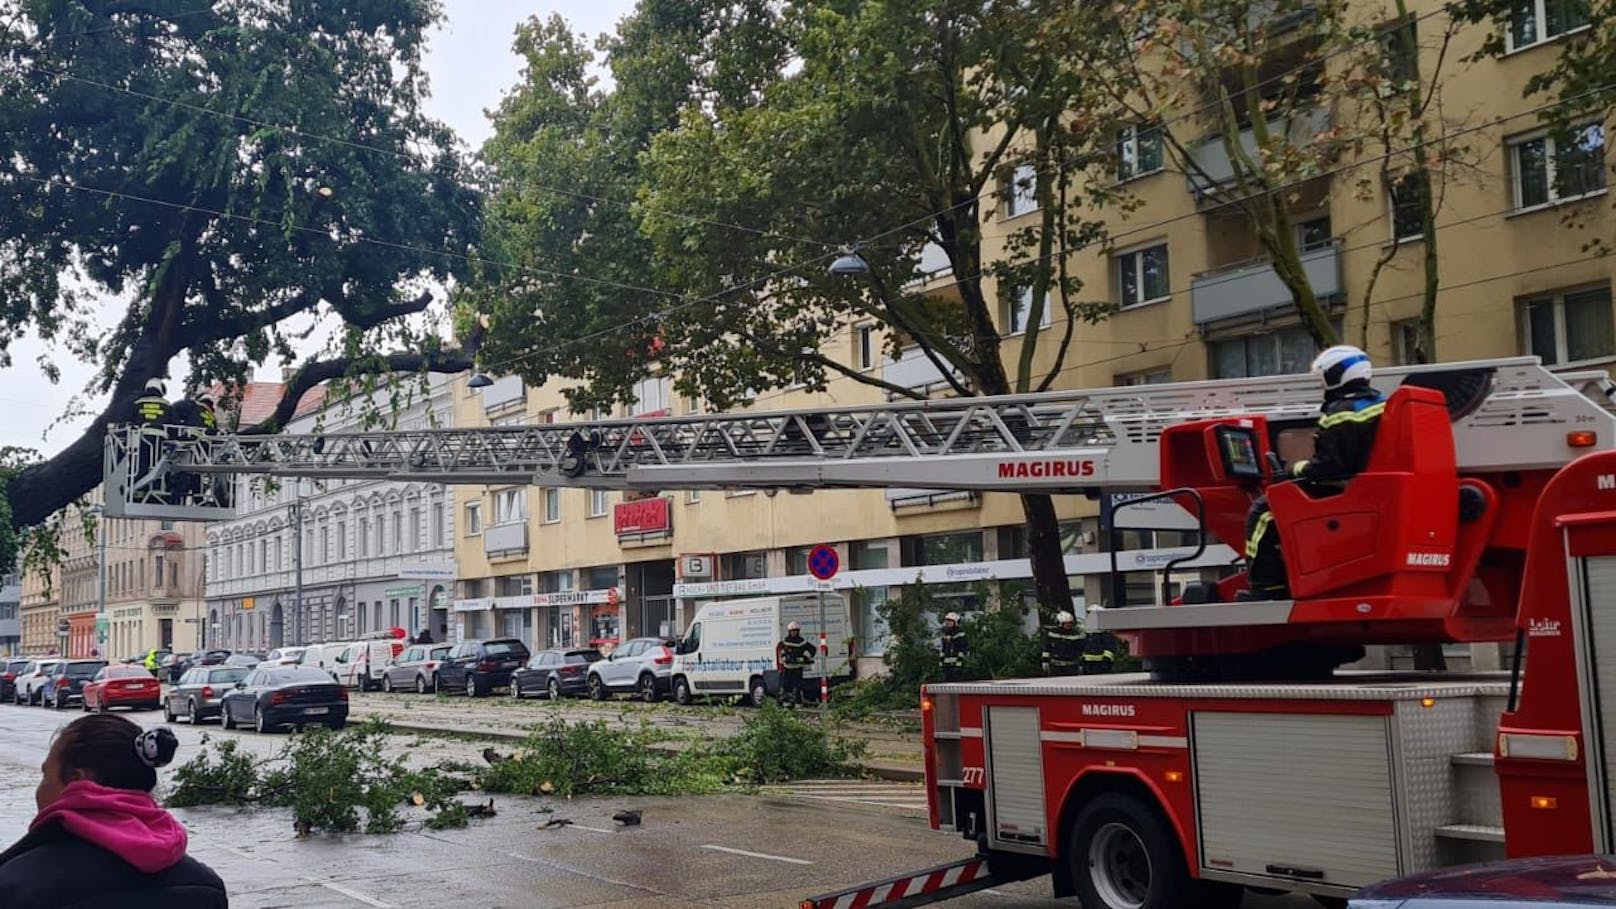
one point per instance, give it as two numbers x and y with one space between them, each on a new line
1509 414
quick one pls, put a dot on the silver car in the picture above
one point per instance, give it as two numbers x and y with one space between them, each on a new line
639 665
416 669
200 692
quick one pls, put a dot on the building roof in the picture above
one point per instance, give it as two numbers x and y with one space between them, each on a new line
258 401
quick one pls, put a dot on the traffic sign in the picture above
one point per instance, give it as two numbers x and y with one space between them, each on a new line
823 562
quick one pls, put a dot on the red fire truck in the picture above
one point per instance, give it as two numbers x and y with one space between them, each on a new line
1243 758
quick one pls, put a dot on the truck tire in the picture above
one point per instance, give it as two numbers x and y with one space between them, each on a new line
1122 855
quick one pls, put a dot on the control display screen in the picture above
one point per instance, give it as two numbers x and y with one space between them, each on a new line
1238 446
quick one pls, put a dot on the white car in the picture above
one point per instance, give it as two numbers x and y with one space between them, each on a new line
323 656
31 681
362 664
285 656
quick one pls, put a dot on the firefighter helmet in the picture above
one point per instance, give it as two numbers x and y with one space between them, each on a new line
206 399
155 386
951 617
794 627
1341 364
1063 617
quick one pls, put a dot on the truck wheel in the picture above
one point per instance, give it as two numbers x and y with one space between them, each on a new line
1123 856
757 692
681 692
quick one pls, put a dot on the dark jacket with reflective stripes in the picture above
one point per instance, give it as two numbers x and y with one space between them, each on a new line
798 654
1346 436
151 410
1063 646
954 647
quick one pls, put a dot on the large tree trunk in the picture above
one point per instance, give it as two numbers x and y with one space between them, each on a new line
1049 579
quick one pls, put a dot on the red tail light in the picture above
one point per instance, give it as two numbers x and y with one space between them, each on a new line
488 665
207 691
666 659
9 676
280 697
571 670
431 665
342 694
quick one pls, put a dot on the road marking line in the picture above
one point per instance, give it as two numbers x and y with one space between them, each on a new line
350 894
761 855
591 829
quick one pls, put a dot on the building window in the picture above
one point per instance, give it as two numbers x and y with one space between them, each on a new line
325 545
364 537
737 566
515 585
1535 21
1556 168
416 531
1147 377
1568 328
438 539
693 496
1406 342
398 531
342 539
1139 151
1020 190
864 346
1142 276
1314 233
552 505
157 570
1408 195
942 549
597 502
510 506
474 519
1018 310
1282 352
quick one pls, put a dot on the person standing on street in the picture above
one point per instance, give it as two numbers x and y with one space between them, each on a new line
793 655
100 839
1063 646
954 648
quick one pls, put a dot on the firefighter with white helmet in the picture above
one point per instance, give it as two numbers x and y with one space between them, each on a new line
793 655
1348 420
953 648
151 412
1063 646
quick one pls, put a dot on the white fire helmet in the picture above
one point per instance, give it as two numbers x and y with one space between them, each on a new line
794 627
155 386
1341 364
951 617
1063 617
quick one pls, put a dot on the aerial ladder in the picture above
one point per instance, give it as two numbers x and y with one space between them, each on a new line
1484 476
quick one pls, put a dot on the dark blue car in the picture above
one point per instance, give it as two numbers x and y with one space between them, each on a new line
65 684
279 696
1554 882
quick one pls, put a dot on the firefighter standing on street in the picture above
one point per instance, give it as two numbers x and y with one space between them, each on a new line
953 648
1348 419
1063 646
793 655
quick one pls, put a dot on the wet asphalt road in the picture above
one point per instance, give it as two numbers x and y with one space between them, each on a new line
738 851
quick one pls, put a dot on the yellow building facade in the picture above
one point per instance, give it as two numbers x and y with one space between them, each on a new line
1520 274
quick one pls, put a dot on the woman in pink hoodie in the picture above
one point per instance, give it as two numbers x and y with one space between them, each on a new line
100 840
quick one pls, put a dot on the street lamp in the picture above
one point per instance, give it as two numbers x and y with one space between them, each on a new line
101 620
479 380
849 265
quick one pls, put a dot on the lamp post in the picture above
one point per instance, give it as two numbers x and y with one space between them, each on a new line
297 555
101 620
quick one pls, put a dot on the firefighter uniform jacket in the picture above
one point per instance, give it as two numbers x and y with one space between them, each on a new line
954 646
188 414
795 654
151 410
1099 647
1063 647
1346 436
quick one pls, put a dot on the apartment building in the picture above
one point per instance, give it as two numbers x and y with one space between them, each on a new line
10 614
308 561
1193 300
39 610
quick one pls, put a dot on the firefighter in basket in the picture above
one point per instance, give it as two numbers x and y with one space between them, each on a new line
152 414
1348 419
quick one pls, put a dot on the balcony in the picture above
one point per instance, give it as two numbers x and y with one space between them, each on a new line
1253 287
1213 170
915 371
504 541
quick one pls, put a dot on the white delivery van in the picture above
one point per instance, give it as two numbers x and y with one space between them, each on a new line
729 648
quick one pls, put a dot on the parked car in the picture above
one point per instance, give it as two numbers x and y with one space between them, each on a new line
32 679
641 665
242 660
555 672
478 667
323 656
198 658
65 684
269 699
284 656
361 665
8 678
200 693
122 686
416 668
1553 882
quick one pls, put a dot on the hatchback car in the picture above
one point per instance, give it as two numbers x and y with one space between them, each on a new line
415 669
478 667
284 656
640 665
65 684
269 699
122 686
8 678
1553 882
32 679
554 673
200 693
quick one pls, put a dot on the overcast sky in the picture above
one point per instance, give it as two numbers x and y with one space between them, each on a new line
471 65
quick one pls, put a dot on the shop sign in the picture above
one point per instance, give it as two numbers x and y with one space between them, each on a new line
642 517
576 597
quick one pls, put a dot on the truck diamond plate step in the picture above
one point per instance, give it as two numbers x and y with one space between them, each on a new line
1480 833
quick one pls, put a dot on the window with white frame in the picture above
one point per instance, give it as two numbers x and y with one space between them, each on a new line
864 346
364 537
1405 342
325 544
1018 310
1535 21
1282 351
1407 203
474 519
438 529
1019 188
1159 376
510 506
693 496
597 502
1142 276
1139 151
416 530
398 531
1554 168
342 539
1570 327
552 505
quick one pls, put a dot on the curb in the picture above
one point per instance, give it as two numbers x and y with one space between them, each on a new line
891 771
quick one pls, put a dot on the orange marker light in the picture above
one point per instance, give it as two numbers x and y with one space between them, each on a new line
925 704
1582 438
1545 802
1174 776
1427 702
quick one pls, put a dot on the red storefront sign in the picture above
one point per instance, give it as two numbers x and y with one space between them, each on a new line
643 516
